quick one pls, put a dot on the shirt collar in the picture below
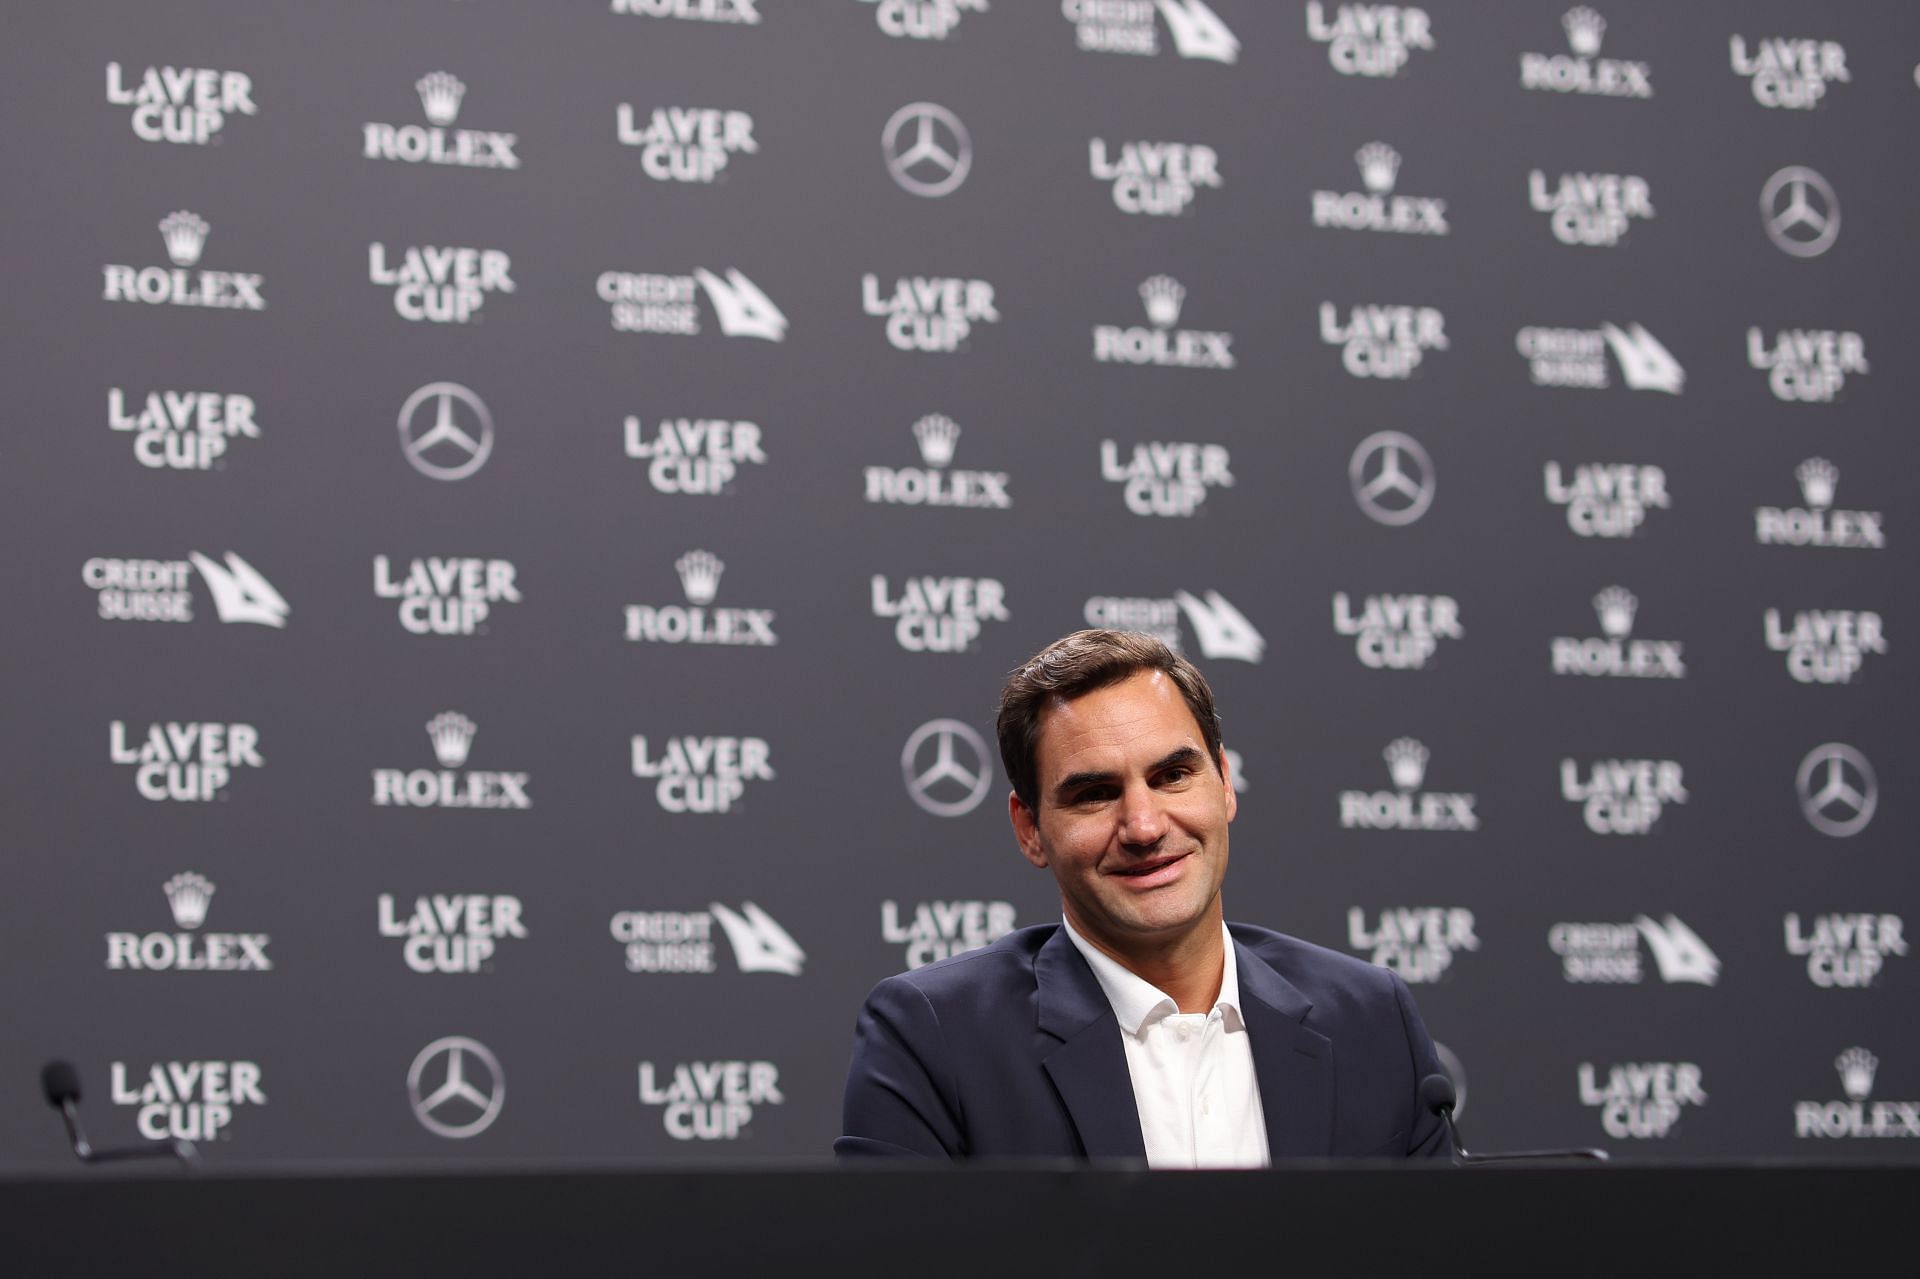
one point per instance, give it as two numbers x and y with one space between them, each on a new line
1138 1002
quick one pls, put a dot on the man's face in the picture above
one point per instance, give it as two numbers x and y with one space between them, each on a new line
1131 815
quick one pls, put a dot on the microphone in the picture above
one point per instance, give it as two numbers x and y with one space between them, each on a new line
1437 1095
60 1083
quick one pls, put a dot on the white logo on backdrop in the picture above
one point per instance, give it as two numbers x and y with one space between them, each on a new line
456 1087
946 768
1838 791
928 151
1392 478
1800 212
430 424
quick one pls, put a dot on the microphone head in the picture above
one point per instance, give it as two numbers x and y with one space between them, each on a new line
60 1082
1436 1094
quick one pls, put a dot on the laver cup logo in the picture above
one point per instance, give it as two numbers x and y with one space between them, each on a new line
685 144
1825 645
441 284
702 774
1397 632
1383 341
1607 499
709 1100
441 94
922 19
1789 73
1807 366
445 595
189 896
1641 1100
1845 951
1418 942
1164 477
1591 209
1158 179
187 105
936 313
1622 796
699 456
1127 26
1369 39
1858 1116
185 235
450 786
939 614
184 763
181 430
938 930
451 932
186 1100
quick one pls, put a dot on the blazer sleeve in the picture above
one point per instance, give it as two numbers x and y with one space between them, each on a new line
1427 1136
902 1097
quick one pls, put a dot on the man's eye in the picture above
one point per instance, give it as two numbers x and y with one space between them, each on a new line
1095 795
1176 775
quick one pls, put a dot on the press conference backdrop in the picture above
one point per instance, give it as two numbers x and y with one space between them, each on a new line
519 513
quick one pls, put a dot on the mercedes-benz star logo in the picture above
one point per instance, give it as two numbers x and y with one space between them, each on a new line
1392 478
1837 790
1800 211
435 440
940 780
456 1087
927 149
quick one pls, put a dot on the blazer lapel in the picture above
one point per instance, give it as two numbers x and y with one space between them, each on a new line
1089 1068
1293 1064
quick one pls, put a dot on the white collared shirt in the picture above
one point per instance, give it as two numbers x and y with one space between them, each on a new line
1193 1079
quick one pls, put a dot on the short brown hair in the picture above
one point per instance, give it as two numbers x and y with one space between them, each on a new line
1079 664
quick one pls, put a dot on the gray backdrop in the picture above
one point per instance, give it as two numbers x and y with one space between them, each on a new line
268 527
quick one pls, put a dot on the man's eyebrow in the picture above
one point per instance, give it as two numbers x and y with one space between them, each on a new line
1180 756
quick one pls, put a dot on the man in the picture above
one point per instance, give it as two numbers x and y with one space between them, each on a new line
1142 1025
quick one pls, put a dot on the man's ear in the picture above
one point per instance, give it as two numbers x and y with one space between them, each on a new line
1226 776
1026 829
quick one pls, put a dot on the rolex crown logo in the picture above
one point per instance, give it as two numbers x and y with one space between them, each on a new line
1584 29
1379 166
185 234
1406 762
1817 478
700 575
1163 295
1616 606
452 735
189 895
440 94
937 434
1856 1067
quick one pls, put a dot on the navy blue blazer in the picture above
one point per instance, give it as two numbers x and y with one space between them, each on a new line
1013 1051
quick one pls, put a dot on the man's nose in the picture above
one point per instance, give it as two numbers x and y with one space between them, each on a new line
1141 819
